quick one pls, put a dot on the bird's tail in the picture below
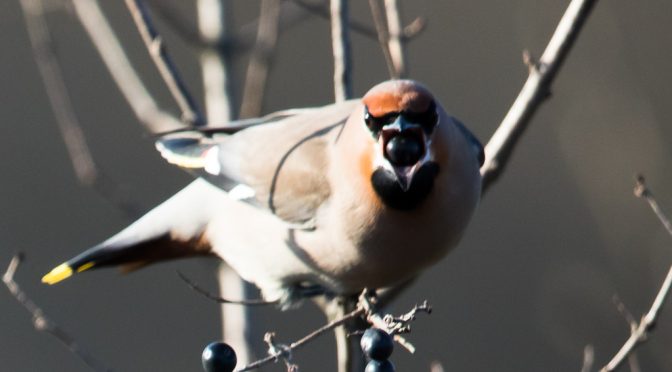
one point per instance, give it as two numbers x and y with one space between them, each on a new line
174 229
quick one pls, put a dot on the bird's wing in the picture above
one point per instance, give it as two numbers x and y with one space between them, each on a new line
473 141
280 165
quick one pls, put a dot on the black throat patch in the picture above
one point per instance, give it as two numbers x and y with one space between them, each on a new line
387 187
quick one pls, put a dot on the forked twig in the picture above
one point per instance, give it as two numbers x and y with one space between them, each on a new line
536 89
40 320
157 50
639 332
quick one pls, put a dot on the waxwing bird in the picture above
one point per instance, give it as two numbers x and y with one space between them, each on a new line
360 194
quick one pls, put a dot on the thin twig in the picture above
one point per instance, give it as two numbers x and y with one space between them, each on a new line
154 43
639 334
536 89
44 324
409 32
123 74
55 87
260 60
197 288
395 42
64 113
365 308
301 342
383 35
340 42
588 358
215 62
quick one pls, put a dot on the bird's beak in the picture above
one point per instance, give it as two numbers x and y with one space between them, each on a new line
405 147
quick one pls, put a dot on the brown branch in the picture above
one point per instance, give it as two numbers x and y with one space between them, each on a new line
639 332
340 43
536 89
260 60
164 63
41 322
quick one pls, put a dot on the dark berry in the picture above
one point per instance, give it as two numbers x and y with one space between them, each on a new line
379 366
403 150
219 357
377 344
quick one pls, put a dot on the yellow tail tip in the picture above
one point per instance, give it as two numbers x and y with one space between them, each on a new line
61 272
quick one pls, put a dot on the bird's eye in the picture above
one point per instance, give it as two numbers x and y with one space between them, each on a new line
376 123
427 119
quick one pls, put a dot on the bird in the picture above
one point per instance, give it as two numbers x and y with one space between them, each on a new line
361 194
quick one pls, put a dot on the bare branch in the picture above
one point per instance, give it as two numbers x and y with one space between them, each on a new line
40 320
154 43
216 61
383 35
639 332
61 104
588 358
260 60
409 32
64 113
197 288
340 42
395 33
301 342
115 59
365 308
536 89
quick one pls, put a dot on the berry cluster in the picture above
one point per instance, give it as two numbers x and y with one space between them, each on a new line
219 357
377 345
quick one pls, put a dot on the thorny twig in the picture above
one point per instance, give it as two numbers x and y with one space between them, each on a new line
154 43
366 308
536 89
40 320
639 332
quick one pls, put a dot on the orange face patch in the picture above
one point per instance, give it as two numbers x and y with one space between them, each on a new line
397 96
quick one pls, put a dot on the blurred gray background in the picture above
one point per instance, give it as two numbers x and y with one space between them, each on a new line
529 286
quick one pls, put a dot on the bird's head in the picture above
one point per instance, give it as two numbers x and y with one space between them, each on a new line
401 117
